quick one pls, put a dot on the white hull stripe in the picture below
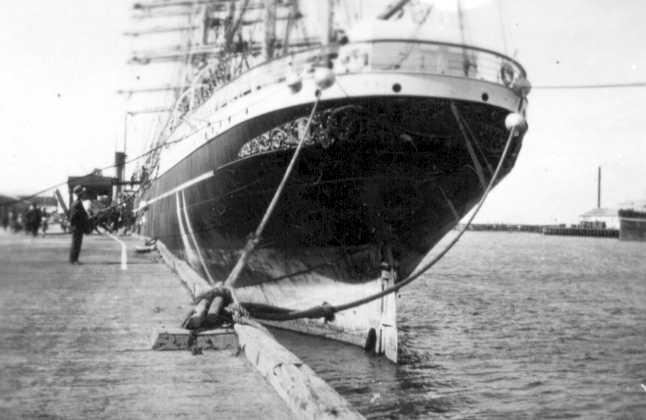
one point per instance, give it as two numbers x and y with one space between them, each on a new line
188 250
189 226
180 187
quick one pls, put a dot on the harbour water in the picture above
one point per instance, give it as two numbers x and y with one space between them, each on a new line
507 325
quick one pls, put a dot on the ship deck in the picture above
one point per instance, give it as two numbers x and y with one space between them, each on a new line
75 340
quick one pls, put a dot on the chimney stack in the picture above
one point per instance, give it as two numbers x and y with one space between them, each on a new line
120 166
599 187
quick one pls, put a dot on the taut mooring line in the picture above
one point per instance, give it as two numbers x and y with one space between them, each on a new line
255 238
327 310
208 301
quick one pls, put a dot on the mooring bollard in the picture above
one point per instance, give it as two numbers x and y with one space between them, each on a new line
196 319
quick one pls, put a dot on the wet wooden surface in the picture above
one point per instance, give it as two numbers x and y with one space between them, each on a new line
75 340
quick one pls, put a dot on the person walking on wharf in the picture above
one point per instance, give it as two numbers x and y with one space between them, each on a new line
32 220
44 224
79 222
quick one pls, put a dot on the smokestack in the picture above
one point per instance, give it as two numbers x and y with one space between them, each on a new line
599 187
120 166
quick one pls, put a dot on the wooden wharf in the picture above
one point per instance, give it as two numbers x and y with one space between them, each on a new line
75 343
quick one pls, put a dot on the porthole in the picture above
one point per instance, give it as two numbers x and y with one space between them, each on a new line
485 96
397 88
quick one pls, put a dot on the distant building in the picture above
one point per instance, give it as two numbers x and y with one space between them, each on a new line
95 184
601 217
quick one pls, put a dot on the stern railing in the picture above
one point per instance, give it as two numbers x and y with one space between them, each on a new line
382 55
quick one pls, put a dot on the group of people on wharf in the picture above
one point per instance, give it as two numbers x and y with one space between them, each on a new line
78 220
32 220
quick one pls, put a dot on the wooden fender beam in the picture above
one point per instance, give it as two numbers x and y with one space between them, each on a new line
304 392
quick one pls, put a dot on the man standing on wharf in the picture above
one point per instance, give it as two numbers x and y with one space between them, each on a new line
79 221
32 219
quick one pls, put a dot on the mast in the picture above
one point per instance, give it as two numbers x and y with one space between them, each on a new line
466 61
327 17
294 13
461 23
270 29
206 23
229 27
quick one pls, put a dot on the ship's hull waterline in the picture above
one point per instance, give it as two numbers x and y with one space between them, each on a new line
632 225
380 181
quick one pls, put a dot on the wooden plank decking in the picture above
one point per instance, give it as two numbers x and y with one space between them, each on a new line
74 340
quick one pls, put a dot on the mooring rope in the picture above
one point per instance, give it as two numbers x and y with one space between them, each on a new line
195 318
255 238
327 311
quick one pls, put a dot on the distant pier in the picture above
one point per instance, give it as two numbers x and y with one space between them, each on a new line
505 227
561 230
581 231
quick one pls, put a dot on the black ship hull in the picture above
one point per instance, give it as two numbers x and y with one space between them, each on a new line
632 225
378 176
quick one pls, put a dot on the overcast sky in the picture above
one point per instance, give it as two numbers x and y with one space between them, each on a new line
62 62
